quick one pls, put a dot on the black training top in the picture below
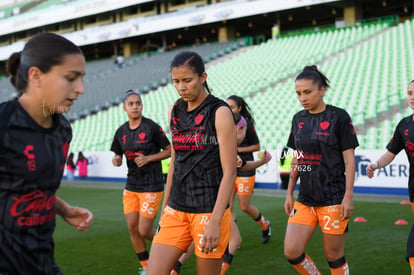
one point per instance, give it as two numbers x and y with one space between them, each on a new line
403 138
148 139
32 161
197 166
251 138
319 140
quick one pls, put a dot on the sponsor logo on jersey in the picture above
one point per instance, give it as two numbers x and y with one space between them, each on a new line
300 125
406 132
312 159
34 208
188 142
131 155
123 139
175 120
31 158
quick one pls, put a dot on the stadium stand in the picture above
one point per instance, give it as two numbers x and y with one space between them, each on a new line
372 89
262 74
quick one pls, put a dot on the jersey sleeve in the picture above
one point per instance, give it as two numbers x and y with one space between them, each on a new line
396 144
116 147
159 137
347 135
291 142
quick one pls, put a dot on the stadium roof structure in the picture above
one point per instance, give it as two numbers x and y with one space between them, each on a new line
144 25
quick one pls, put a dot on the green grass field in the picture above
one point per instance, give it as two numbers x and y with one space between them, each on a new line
374 247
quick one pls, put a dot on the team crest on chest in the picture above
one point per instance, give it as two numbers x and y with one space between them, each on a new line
198 118
324 125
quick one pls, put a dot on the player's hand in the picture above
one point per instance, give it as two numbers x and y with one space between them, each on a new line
117 160
81 218
141 159
266 156
288 204
210 238
370 169
347 208
239 162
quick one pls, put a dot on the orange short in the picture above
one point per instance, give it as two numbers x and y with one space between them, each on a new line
328 217
244 185
179 229
145 203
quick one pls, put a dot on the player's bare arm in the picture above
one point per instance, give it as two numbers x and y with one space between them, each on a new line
293 177
226 135
383 161
81 218
347 206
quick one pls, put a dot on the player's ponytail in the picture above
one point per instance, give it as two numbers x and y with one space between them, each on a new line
12 68
312 73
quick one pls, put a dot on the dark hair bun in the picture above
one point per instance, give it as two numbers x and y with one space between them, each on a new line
12 66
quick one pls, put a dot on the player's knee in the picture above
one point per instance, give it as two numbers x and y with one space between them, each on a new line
133 228
291 251
146 233
297 259
333 255
244 207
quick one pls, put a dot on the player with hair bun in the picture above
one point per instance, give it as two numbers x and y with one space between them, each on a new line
34 143
326 139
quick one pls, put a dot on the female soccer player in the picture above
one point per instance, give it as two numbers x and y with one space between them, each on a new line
403 139
245 180
34 143
201 173
82 164
70 167
235 238
144 144
324 141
